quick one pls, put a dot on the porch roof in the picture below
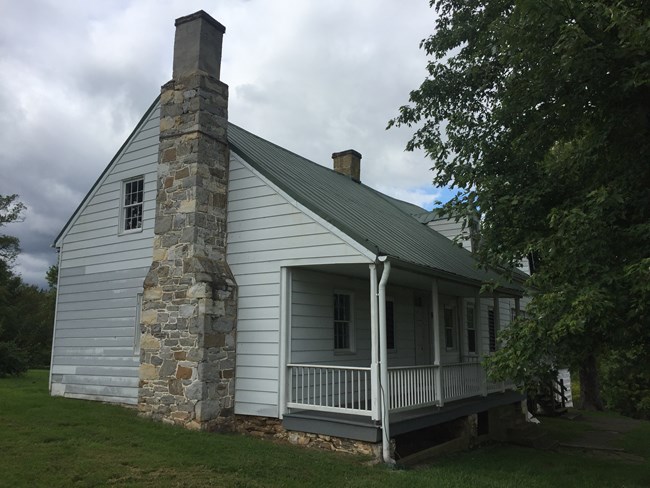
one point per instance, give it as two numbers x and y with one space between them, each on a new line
381 224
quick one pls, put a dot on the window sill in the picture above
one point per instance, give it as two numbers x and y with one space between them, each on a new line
129 232
344 352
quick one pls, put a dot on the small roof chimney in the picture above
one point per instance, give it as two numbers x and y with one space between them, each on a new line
197 45
348 163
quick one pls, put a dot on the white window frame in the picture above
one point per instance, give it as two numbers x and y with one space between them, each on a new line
124 206
350 324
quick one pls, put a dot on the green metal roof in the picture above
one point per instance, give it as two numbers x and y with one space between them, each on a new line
381 224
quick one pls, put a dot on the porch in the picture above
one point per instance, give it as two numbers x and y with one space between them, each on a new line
363 428
347 390
409 356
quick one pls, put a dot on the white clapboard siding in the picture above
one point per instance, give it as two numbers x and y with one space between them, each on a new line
312 319
101 273
452 229
265 230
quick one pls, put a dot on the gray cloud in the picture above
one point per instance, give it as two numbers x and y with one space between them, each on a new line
315 77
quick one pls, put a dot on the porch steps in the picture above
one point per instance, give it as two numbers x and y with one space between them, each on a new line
531 435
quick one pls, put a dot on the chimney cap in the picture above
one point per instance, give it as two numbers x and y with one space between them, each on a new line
201 14
351 152
197 46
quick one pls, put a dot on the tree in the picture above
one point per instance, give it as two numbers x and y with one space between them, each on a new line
10 211
538 112
26 312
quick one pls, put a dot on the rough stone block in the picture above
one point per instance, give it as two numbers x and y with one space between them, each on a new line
148 372
168 368
149 342
148 317
183 372
175 387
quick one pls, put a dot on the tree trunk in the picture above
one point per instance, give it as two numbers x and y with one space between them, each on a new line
589 384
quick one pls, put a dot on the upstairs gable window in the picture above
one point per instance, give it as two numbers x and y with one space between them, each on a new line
132 203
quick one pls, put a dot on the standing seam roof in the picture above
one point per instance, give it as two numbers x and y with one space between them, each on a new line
366 215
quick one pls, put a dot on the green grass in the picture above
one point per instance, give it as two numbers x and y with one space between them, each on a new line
55 442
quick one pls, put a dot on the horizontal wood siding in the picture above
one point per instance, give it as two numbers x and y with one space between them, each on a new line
264 230
102 271
452 229
312 321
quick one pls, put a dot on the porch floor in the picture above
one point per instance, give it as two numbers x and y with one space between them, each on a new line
365 429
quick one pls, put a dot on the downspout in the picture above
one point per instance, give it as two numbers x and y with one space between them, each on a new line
383 364
374 346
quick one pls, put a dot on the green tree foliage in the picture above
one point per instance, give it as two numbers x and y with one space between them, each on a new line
539 113
26 312
10 211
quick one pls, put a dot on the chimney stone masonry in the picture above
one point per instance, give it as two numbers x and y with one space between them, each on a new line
189 306
348 163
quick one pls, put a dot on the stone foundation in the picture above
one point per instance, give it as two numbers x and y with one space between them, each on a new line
269 428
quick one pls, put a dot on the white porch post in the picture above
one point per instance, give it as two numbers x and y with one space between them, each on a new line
285 339
479 341
435 316
374 346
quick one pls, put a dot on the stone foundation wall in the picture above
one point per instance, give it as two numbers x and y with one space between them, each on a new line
269 428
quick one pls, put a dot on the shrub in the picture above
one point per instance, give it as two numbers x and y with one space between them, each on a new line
13 361
626 381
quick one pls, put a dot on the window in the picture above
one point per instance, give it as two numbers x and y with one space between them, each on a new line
390 324
133 193
343 321
449 328
471 329
492 333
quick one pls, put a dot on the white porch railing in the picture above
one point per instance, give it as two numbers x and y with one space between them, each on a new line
347 389
461 380
340 389
411 387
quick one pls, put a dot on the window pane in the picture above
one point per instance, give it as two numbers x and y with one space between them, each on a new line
471 340
342 317
449 328
471 332
133 201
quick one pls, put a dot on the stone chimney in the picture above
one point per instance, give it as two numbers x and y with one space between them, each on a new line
189 305
348 163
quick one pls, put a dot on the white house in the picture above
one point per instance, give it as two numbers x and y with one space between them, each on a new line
214 278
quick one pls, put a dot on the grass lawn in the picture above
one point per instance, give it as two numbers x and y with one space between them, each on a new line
53 442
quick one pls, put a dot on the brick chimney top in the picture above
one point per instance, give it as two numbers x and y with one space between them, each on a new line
348 163
197 45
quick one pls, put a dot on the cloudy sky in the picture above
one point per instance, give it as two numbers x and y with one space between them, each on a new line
314 77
